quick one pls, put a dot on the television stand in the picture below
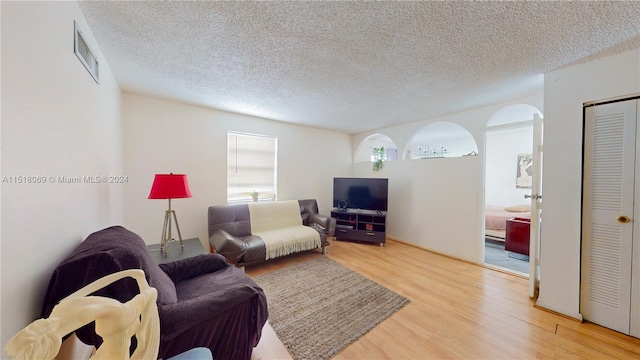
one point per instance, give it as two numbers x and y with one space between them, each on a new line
360 225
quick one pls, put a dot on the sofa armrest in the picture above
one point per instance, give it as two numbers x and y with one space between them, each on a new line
232 247
189 268
178 318
323 223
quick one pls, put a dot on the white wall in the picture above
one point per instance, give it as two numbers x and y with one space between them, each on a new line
163 136
56 121
433 203
437 203
565 92
502 150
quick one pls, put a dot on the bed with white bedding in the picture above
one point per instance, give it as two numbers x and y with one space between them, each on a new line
496 217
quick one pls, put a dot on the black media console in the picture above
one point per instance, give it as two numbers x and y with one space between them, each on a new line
360 225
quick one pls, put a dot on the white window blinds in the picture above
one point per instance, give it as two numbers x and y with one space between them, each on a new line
251 163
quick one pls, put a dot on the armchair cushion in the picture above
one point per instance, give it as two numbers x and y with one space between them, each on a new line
189 268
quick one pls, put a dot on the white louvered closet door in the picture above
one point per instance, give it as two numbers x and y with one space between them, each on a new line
608 201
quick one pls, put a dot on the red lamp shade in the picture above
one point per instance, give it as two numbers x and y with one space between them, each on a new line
170 186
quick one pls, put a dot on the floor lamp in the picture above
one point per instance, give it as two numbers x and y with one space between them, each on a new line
169 186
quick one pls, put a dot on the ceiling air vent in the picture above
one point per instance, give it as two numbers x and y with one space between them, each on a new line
84 53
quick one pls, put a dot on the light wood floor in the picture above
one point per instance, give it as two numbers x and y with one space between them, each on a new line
458 310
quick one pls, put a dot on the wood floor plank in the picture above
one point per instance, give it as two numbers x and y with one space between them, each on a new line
459 310
596 342
609 336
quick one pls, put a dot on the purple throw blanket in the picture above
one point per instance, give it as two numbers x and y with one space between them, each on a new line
203 301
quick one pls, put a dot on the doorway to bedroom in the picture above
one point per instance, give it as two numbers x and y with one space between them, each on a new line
508 178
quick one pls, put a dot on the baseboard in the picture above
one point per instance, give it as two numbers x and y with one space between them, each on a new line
552 309
506 271
430 250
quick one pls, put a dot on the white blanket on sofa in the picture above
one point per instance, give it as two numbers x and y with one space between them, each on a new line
279 224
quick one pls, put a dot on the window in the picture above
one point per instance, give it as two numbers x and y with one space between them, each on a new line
251 166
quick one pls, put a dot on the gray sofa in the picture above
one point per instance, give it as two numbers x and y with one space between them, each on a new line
230 231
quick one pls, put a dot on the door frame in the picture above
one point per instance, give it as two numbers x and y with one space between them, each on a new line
536 207
533 262
634 326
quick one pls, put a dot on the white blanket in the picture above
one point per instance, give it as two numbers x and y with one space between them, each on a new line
279 224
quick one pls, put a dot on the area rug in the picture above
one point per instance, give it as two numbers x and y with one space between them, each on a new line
495 254
318 307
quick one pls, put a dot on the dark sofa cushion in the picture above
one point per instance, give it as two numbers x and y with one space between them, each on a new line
233 219
191 267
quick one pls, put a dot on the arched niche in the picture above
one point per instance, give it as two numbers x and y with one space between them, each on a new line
364 151
441 139
513 114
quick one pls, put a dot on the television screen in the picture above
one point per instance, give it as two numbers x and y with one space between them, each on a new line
360 193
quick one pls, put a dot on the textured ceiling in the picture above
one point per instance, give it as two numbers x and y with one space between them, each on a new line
352 66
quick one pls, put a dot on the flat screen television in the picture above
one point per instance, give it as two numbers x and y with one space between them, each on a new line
360 193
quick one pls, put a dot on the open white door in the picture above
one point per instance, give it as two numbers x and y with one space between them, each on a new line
536 209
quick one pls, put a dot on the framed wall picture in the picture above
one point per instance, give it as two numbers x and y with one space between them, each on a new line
523 171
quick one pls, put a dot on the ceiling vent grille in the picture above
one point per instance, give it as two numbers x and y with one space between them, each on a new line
84 53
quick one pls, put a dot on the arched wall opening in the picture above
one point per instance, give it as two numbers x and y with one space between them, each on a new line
513 114
364 151
441 139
